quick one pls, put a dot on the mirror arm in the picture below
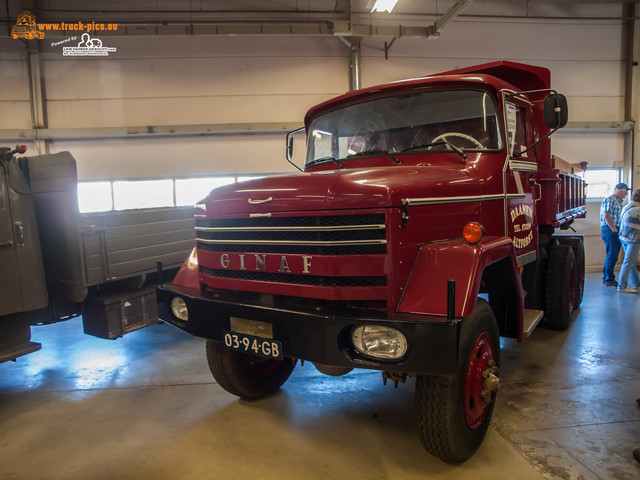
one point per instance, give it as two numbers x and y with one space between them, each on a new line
521 152
519 94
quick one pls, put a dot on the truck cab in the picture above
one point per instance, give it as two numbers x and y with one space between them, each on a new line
422 208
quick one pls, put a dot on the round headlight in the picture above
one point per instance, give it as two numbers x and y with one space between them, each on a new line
379 342
179 308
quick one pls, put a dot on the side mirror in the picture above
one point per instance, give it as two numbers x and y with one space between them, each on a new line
289 147
556 112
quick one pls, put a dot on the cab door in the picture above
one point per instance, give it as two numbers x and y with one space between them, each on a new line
22 280
519 179
10 290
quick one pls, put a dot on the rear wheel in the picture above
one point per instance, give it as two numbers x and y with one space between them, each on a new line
534 281
454 412
561 287
577 245
245 375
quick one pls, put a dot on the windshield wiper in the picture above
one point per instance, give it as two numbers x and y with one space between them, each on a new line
370 153
328 159
432 144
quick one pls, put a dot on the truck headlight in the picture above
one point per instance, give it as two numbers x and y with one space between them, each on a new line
179 308
379 342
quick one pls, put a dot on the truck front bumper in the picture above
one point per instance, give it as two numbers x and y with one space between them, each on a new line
321 334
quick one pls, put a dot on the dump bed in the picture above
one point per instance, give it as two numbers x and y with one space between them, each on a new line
570 193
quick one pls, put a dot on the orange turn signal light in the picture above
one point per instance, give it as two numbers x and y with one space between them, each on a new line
473 232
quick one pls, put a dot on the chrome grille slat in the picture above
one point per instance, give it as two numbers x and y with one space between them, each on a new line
308 235
295 242
339 228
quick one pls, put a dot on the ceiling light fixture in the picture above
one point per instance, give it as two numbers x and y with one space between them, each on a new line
384 6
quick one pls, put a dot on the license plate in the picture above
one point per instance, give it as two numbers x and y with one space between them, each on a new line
258 346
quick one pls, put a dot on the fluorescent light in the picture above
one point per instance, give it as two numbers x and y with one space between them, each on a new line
384 6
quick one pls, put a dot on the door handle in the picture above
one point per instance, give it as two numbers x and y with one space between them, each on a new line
19 233
8 243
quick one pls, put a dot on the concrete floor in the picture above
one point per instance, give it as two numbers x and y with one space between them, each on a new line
145 406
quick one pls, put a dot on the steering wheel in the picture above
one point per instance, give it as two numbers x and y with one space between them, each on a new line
456 134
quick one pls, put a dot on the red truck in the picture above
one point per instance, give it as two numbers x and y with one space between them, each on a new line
420 230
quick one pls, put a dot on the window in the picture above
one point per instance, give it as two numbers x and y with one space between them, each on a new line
95 196
125 194
601 181
517 129
190 191
142 194
407 122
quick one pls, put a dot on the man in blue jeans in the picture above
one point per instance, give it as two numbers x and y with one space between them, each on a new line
609 226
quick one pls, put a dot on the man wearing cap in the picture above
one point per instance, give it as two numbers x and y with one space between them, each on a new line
609 226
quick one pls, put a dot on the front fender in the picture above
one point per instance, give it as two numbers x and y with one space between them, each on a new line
188 275
436 263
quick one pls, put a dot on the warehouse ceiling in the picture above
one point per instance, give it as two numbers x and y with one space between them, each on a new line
420 18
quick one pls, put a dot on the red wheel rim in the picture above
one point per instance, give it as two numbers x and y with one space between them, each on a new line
480 360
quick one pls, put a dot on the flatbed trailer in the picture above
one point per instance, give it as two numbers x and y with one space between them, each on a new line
58 263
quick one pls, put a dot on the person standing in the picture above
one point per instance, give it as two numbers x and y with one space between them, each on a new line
610 210
630 238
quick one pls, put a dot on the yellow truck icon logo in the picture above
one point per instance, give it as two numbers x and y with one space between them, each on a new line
25 27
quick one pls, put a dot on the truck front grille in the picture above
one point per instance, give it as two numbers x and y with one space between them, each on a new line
258 240
312 235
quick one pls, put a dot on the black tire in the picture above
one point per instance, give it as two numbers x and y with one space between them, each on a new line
577 245
534 281
244 375
561 288
452 415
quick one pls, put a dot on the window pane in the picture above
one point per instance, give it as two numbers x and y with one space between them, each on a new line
190 191
601 182
466 118
94 196
142 194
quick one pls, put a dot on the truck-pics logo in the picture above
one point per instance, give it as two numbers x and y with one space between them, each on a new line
26 27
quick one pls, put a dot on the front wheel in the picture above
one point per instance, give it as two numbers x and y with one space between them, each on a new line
454 412
244 375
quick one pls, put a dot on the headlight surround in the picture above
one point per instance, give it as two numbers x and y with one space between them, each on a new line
379 342
179 309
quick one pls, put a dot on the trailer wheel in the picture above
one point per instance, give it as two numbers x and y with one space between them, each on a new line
561 287
577 245
454 412
245 375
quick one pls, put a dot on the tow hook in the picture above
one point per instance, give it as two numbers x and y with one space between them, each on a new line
395 377
491 381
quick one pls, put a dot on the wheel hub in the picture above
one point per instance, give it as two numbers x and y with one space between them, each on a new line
481 381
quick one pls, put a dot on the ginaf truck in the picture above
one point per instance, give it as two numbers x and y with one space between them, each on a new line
420 231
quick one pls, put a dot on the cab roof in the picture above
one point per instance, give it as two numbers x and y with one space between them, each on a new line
499 75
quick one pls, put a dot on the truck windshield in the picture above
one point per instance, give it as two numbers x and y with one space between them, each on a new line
427 121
